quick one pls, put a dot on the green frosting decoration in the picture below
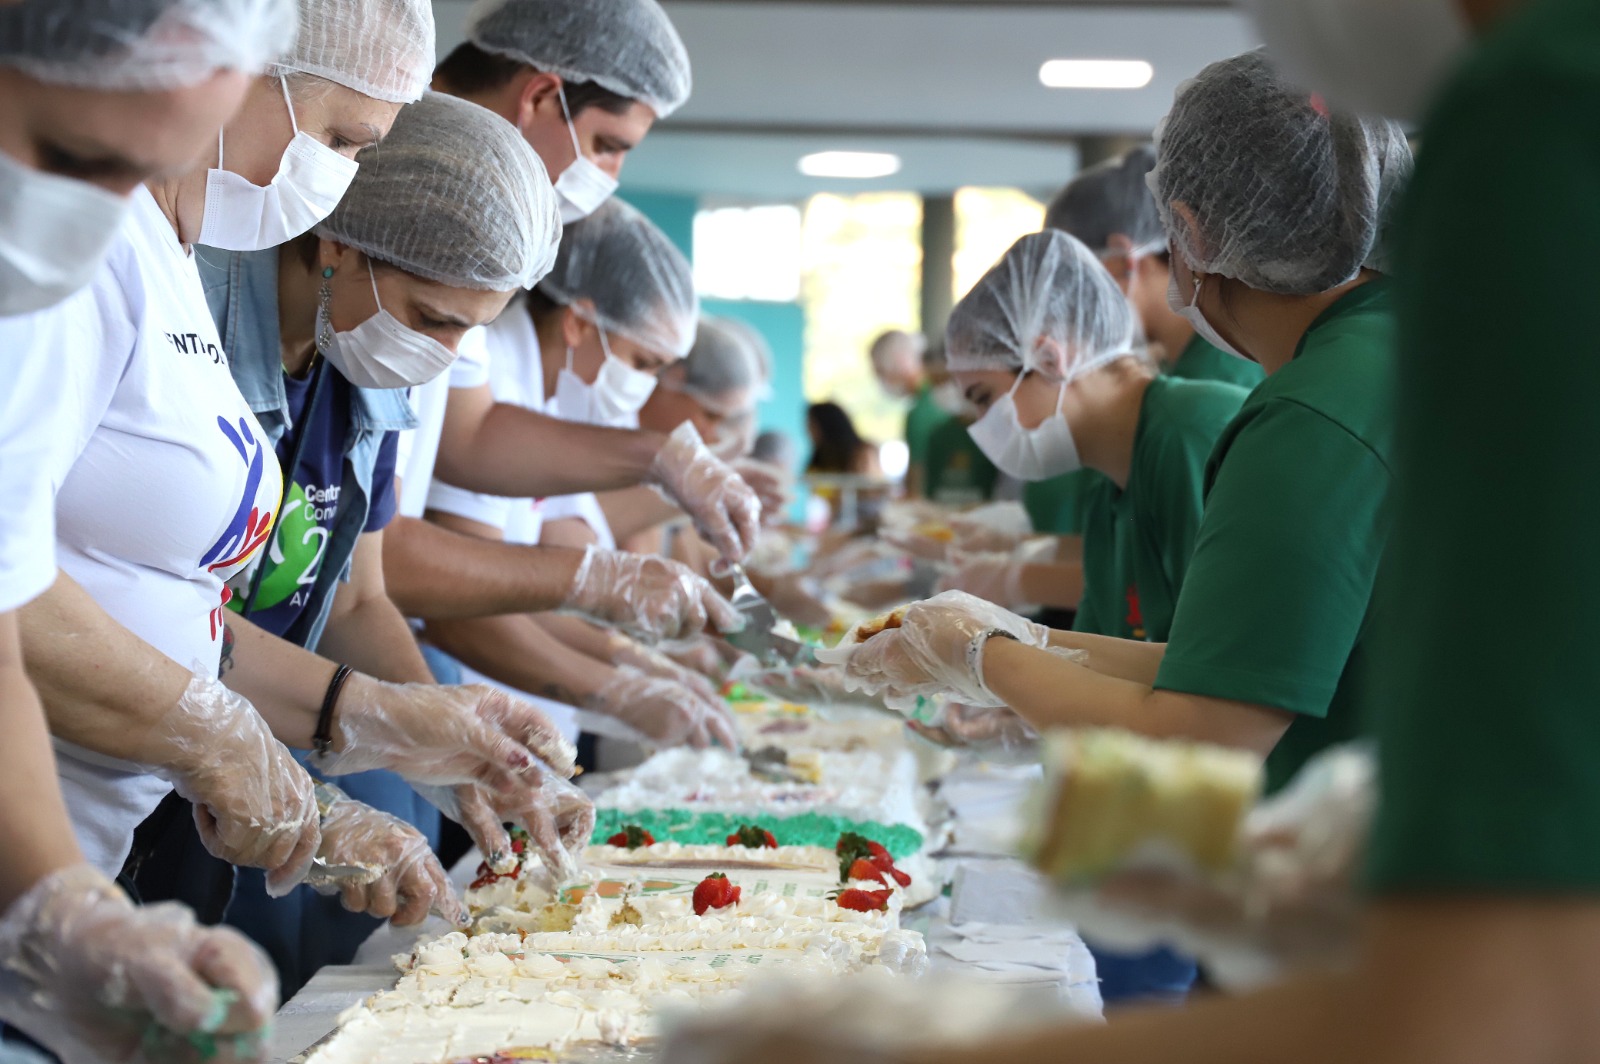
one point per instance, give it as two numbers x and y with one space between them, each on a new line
689 828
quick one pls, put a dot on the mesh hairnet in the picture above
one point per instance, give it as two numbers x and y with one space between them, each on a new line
1047 305
1110 198
627 46
1395 163
1285 193
760 350
722 361
453 194
383 48
640 285
131 45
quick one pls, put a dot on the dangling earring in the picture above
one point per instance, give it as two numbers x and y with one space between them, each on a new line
324 317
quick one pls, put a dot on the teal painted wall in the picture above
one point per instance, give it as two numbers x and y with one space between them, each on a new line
783 324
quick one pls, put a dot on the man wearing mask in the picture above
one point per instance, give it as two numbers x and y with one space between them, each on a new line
897 362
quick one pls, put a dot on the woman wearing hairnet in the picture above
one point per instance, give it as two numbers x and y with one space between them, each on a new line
1043 346
166 490
586 345
437 231
99 96
1272 204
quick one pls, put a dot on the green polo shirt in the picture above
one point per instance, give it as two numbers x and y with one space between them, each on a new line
957 473
1137 543
1199 361
1486 699
1277 604
924 416
1055 506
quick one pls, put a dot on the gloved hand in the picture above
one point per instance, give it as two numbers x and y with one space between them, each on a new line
625 652
95 978
253 803
403 879
699 655
724 508
804 683
557 816
993 577
938 649
995 528
652 598
444 735
773 485
978 727
665 712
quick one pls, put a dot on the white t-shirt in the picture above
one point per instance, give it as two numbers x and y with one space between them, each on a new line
30 403
166 485
418 449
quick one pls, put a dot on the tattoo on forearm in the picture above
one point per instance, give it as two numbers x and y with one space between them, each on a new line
559 693
226 665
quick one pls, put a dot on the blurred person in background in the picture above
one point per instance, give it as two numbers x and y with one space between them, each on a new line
897 360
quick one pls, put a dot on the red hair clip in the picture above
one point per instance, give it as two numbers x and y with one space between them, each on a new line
1319 105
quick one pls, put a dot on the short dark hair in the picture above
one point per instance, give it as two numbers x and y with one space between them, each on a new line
469 71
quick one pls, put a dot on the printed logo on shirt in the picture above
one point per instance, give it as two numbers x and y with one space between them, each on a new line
1135 615
195 344
298 546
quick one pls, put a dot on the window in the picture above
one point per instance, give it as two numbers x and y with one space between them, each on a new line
748 253
988 222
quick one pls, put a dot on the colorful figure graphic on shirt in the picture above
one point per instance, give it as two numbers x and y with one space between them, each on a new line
250 525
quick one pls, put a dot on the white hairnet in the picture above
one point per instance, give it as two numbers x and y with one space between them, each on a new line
131 45
1110 198
1285 193
383 48
627 46
453 194
1047 305
722 361
639 284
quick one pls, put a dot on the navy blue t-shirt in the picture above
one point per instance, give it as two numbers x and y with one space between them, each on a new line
299 545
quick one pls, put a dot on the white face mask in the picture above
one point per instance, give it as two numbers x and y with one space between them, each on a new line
1386 57
615 398
311 180
54 232
1190 312
1039 453
583 186
382 352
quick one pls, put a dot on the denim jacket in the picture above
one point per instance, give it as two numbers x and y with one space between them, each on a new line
242 289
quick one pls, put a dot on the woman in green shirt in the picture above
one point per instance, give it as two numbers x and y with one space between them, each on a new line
1272 204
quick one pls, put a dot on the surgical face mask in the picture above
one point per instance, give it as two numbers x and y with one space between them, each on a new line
54 232
615 398
1039 453
382 352
1190 312
311 180
583 186
1385 57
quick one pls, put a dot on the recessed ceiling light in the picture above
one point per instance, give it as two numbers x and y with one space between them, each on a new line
852 164
1096 74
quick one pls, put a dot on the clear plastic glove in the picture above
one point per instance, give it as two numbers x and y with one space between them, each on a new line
699 655
625 652
253 803
96 979
557 816
724 508
665 712
979 728
444 736
650 598
803 683
773 485
401 880
938 649
994 578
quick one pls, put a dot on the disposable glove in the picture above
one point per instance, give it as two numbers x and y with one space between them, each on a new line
444 735
253 803
804 683
651 598
993 577
699 655
665 712
557 816
725 509
402 881
625 652
938 649
978 728
773 485
97 979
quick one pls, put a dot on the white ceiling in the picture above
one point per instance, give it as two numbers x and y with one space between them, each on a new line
952 87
